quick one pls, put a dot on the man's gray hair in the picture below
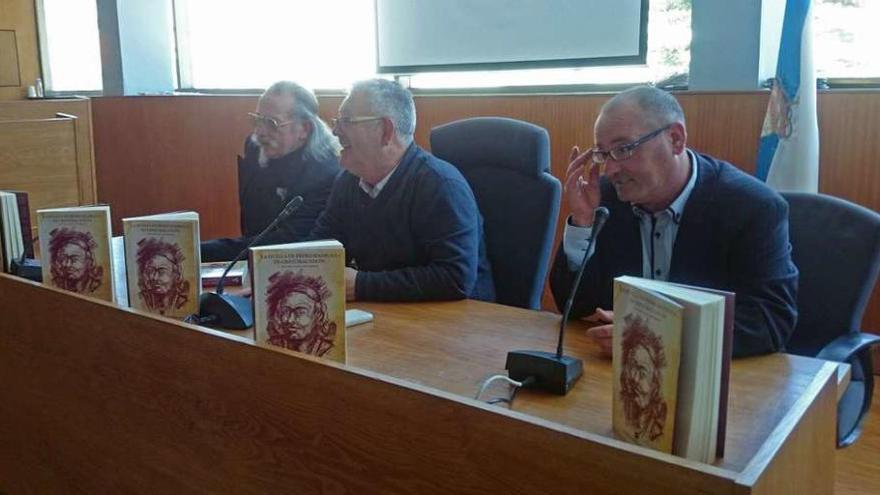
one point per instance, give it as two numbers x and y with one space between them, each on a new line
322 144
390 99
660 107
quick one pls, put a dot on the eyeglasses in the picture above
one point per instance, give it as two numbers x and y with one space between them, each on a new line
625 151
340 121
264 121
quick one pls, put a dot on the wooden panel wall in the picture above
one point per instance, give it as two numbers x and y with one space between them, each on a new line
19 16
166 153
156 154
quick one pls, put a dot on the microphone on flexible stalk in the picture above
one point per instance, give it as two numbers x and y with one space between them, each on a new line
220 310
550 371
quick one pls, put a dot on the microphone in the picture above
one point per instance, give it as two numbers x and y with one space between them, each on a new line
550 371
221 310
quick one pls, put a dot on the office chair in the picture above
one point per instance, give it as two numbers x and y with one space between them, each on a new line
507 163
836 247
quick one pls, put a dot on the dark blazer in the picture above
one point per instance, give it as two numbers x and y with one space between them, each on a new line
264 191
733 236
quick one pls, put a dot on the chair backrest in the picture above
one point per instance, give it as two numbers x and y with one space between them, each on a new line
836 247
507 163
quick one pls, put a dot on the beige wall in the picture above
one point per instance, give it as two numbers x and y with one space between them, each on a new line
19 16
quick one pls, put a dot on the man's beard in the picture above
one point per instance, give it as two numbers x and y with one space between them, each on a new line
262 159
287 335
67 282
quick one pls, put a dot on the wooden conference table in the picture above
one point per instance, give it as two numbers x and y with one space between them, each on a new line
98 398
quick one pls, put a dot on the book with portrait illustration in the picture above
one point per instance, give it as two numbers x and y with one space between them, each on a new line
162 261
299 297
75 250
671 350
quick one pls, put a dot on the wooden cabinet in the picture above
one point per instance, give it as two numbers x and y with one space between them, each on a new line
46 151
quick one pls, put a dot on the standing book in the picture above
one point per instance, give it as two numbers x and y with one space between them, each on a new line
162 262
671 350
11 235
75 250
299 297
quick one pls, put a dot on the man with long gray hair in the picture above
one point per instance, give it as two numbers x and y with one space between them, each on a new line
291 153
409 221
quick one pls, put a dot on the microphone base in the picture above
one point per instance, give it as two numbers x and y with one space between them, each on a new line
226 311
551 374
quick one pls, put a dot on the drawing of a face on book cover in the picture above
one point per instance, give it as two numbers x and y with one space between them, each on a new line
641 382
161 286
73 266
296 306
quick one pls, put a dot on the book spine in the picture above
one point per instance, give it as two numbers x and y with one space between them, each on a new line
231 280
24 215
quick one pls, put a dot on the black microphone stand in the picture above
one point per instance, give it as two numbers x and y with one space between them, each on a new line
217 309
551 371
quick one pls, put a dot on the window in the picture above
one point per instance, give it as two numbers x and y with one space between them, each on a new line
329 44
669 37
845 38
69 45
237 45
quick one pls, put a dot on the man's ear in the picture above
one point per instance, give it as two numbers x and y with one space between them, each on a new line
307 127
387 131
678 133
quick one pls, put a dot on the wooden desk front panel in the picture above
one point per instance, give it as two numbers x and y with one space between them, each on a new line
100 399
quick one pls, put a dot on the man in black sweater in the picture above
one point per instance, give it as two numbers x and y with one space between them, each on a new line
408 220
290 153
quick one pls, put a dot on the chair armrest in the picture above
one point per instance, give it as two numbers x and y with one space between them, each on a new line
844 347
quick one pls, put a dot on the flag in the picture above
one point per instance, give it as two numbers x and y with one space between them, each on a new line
788 153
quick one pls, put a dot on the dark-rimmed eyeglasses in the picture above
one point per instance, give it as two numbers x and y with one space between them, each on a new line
341 121
625 151
261 120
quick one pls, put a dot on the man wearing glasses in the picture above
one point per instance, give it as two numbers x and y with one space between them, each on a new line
291 153
408 220
676 215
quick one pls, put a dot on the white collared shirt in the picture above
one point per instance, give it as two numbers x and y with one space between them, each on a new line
373 191
658 231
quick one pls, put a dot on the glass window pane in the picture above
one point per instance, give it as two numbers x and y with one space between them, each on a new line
846 38
71 45
325 44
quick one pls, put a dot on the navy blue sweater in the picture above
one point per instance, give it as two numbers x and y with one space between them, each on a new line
420 239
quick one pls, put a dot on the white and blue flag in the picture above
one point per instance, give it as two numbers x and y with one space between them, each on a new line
788 153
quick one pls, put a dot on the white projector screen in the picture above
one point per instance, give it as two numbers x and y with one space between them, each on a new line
440 35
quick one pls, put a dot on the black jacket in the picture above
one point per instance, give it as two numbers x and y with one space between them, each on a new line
264 191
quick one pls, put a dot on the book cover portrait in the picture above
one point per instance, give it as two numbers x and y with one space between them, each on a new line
299 297
73 261
75 250
641 381
297 317
645 360
161 285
